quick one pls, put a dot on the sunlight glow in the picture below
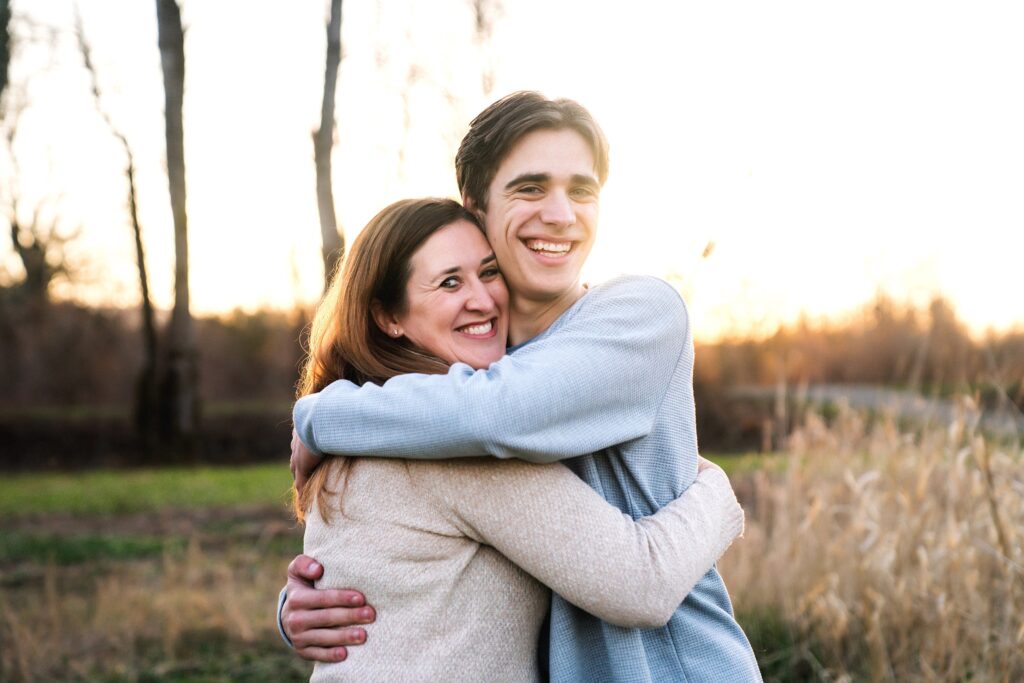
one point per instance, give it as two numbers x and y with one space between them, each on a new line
828 151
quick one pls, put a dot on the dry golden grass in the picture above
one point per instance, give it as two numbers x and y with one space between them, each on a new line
879 553
192 614
888 554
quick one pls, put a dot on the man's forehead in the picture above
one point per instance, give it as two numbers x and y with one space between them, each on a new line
548 152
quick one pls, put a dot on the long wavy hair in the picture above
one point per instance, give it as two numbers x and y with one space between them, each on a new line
345 341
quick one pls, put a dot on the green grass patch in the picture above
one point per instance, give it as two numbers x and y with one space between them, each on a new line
110 492
68 550
747 462
781 654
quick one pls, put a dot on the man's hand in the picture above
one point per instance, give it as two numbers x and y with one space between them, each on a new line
321 622
303 462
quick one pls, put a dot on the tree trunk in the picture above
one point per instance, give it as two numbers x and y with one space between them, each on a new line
323 140
5 45
178 400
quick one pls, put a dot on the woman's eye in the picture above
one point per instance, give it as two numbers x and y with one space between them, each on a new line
490 273
450 282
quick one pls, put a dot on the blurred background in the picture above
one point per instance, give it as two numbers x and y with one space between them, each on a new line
834 189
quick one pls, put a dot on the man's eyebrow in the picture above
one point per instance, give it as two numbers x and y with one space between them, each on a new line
589 180
577 179
528 178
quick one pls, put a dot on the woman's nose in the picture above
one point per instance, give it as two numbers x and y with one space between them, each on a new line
480 298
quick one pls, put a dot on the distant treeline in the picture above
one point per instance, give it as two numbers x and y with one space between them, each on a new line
63 360
67 356
885 343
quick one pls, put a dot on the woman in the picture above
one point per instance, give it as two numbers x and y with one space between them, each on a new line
453 553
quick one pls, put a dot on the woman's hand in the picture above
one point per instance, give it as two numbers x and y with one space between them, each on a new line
303 462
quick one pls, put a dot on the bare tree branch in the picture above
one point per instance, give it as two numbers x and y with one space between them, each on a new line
145 399
333 248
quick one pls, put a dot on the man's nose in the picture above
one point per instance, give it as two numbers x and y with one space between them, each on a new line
558 210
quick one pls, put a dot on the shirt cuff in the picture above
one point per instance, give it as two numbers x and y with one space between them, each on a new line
280 624
302 418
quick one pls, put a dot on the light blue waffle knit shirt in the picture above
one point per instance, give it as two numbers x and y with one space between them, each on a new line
607 389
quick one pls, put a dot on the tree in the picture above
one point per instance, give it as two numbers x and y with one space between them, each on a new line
40 245
39 240
145 392
485 14
178 399
5 46
323 141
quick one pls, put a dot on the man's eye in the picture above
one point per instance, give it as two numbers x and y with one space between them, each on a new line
529 189
584 192
450 282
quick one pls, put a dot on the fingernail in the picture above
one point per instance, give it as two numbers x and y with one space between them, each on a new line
314 566
355 600
366 613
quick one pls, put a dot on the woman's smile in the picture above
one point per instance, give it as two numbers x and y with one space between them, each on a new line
457 303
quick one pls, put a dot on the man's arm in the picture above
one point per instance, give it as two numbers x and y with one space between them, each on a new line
596 381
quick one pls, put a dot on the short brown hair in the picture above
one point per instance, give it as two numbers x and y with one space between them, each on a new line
344 340
494 132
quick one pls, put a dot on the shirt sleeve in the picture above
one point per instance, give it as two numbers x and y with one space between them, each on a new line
627 572
596 381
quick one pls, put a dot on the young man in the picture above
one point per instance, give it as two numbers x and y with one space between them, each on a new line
601 379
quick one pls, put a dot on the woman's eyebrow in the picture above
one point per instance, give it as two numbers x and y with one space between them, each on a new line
447 271
455 269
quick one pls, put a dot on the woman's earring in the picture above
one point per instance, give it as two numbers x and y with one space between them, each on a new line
394 332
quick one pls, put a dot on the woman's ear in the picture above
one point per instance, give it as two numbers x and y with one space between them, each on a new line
388 323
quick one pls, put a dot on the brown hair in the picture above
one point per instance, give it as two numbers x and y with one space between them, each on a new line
494 132
344 339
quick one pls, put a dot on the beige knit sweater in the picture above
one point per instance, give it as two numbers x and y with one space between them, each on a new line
455 555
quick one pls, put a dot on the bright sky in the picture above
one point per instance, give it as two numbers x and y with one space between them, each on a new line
829 150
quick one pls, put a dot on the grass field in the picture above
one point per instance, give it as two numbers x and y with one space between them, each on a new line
135 491
870 553
145 575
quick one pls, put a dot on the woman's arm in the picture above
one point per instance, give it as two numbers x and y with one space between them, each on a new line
546 520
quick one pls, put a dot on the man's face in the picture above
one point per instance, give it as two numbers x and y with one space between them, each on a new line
541 217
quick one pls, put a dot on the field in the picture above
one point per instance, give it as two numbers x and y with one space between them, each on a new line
872 552
166 575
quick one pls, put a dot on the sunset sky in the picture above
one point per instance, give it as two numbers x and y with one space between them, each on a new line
829 150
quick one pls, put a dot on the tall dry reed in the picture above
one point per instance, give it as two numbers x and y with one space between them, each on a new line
890 554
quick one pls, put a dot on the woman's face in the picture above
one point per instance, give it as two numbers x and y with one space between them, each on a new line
457 303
